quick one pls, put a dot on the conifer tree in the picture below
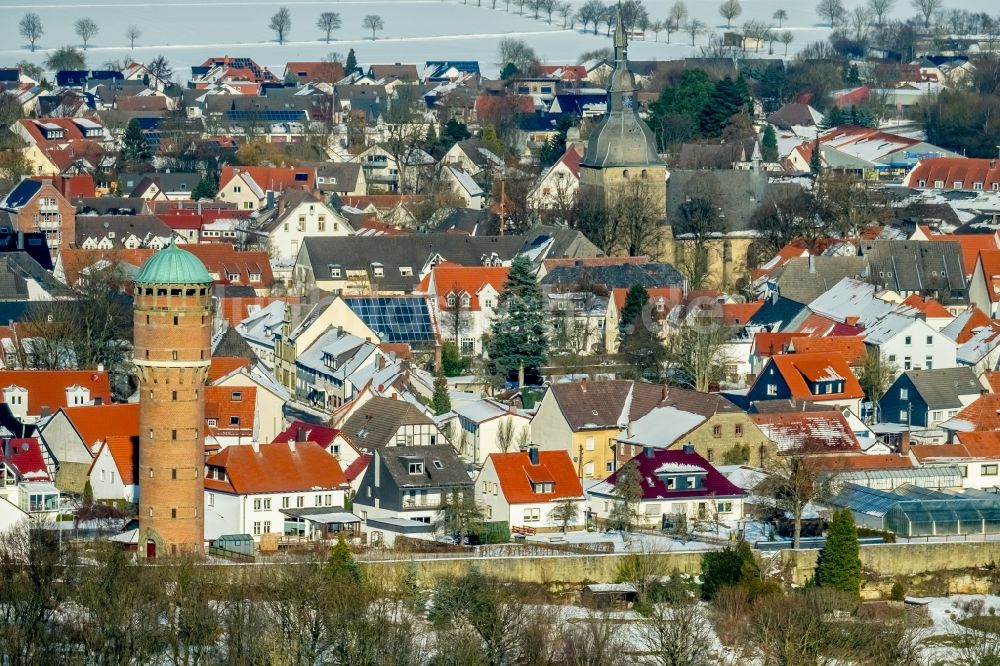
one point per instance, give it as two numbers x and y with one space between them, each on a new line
518 339
135 151
769 144
815 165
440 401
352 62
727 99
635 301
839 565
342 563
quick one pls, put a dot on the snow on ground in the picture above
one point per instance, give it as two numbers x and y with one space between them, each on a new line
188 32
635 543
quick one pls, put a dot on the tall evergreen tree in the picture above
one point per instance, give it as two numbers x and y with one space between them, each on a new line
769 144
839 565
815 165
440 401
135 151
518 340
352 62
728 98
635 301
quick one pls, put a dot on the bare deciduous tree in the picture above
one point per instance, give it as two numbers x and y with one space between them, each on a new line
86 29
30 27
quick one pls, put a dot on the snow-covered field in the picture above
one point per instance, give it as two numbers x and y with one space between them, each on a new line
187 31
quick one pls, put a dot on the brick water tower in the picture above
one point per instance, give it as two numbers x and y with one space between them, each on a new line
173 326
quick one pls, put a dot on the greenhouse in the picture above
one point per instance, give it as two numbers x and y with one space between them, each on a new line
911 511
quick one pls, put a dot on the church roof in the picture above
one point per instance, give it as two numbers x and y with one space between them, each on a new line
623 138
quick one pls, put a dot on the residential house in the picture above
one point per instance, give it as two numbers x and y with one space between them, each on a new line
404 489
924 399
344 179
384 173
166 186
935 314
585 419
56 145
231 415
262 488
926 268
707 423
35 394
37 206
532 489
372 264
231 267
73 435
472 157
557 187
249 187
98 232
485 427
976 454
679 489
984 286
910 343
271 397
465 299
382 423
819 377
980 415
114 474
351 460
25 482
300 214
813 432
468 191
332 370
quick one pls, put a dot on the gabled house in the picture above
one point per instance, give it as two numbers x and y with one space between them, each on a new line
249 187
271 397
910 343
679 488
25 481
924 399
706 423
38 206
955 173
465 299
114 474
73 435
926 268
334 368
976 454
485 427
265 488
471 156
525 488
819 377
557 187
231 415
410 483
980 415
300 214
585 419
984 286
382 423
468 191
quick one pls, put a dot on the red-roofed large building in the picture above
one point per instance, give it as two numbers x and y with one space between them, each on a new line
971 244
229 266
531 489
73 436
977 453
287 488
823 378
32 394
464 300
955 173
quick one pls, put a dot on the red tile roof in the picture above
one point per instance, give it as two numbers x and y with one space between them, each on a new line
516 474
740 313
223 365
851 347
325 72
993 379
449 278
669 295
358 467
47 388
808 432
990 260
221 406
125 452
798 369
859 461
769 344
950 170
72 186
977 319
272 179
75 260
275 468
96 423
235 309
223 260
311 432
980 415
971 244
25 456
816 324
929 306
565 72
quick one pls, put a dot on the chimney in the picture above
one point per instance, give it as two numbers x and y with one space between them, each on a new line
647 451
663 393
43 412
812 264
689 448
437 356
904 443
583 385
300 434
98 400
291 446
281 205
381 362
6 448
255 446
533 455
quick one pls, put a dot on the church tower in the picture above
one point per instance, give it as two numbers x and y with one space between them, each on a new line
172 340
622 149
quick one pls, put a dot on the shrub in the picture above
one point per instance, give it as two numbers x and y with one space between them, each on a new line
839 565
897 593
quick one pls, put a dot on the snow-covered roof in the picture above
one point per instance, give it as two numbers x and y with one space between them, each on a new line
662 426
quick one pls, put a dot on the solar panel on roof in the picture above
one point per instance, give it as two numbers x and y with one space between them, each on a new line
395 319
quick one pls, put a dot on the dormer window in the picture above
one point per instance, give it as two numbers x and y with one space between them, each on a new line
465 300
377 270
416 467
545 487
451 300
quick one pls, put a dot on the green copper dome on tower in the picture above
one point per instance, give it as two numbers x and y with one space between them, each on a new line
173 265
